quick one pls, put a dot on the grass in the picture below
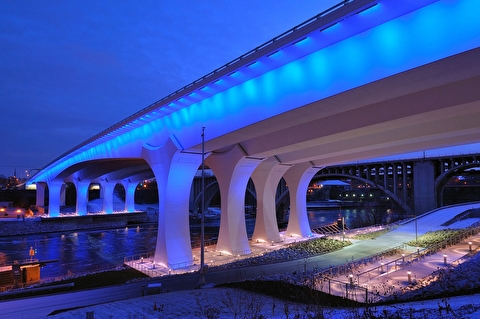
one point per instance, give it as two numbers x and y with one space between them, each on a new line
299 250
432 238
100 279
371 235
291 292
107 278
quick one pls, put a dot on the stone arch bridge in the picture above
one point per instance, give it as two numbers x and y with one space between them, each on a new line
417 185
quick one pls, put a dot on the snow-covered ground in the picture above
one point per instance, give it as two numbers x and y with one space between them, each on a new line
231 303
234 303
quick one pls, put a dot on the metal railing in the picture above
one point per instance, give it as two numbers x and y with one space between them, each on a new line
347 290
354 290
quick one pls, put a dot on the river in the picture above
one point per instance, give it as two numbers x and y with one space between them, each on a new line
88 251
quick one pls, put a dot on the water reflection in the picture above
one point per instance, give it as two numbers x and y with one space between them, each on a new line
81 251
86 251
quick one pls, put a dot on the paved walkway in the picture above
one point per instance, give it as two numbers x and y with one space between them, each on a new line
211 257
387 275
392 275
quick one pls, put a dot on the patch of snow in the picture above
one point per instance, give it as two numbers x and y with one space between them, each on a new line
230 303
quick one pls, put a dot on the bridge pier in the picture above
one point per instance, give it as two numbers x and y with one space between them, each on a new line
174 172
233 170
130 188
424 185
107 196
40 194
266 178
82 197
298 178
54 189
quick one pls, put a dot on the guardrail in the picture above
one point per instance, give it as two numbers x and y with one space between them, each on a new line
19 262
347 269
353 288
348 290
11 290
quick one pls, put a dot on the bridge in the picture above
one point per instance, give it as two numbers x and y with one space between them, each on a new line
365 79
397 178
417 185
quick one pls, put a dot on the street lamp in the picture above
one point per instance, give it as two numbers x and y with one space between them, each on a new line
416 228
203 267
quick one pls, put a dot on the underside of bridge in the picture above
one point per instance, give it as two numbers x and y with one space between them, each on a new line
433 106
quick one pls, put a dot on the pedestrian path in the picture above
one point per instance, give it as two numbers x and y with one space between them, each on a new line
386 276
145 263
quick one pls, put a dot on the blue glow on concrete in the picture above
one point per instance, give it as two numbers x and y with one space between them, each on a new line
382 51
433 32
304 41
274 54
330 28
370 10
250 91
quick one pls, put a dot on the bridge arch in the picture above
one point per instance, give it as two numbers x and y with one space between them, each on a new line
392 195
442 180
212 190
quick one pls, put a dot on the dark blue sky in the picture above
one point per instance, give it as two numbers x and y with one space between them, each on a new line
70 69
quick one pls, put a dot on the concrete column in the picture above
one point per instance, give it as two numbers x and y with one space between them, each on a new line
107 196
130 188
423 186
298 178
82 197
266 178
63 194
174 172
233 170
54 188
40 194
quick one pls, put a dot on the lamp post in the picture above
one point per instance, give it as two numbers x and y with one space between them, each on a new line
203 268
416 229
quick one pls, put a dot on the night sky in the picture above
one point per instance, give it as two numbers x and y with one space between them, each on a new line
70 69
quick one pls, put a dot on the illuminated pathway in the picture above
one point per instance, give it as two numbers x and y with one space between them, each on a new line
147 265
431 221
368 79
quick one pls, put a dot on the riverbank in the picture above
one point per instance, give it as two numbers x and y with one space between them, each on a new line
38 225
262 297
